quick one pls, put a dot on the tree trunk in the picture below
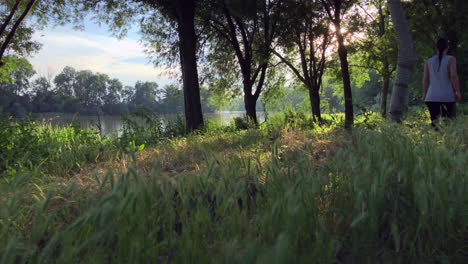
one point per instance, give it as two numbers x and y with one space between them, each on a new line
343 54
384 95
250 107
265 112
188 61
250 100
453 43
386 72
406 61
315 104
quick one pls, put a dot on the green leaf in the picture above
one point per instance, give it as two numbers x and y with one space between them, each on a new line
396 236
359 219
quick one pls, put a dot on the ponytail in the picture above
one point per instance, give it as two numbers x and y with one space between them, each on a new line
441 45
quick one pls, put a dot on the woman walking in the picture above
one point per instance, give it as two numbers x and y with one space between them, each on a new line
441 88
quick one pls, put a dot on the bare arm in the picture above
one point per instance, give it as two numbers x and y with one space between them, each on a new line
425 81
454 78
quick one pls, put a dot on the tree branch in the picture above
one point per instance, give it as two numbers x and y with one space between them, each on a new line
327 9
364 67
258 90
294 69
15 27
245 39
233 37
222 32
256 72
9 17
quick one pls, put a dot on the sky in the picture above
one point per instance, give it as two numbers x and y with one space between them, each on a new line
95 49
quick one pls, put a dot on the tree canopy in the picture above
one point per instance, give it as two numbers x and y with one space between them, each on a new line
237 52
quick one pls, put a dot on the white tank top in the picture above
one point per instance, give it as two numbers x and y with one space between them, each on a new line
440 86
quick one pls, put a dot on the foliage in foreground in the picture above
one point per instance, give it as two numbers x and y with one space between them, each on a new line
394 194
35 147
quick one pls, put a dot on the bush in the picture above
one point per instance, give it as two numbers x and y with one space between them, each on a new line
462 109
242 123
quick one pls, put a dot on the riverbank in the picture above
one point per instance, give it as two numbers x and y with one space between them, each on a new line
284 192
113 125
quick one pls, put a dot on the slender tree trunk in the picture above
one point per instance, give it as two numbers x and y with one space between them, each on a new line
311 81
453 42
315 103
406 61
384 95
343 54
10 35
188 61
265 111
385 69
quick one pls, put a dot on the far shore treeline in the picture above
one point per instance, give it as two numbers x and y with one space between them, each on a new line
86 93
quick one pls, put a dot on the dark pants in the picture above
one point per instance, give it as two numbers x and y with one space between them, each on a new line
438 109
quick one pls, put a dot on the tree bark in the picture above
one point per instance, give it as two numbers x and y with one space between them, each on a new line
315 103
384 95
343 54
406 61
188 61
250 108
386 72
335 18
10 35
250 99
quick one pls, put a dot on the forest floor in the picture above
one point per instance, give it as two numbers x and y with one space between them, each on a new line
284 192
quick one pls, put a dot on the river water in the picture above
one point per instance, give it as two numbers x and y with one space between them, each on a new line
113 125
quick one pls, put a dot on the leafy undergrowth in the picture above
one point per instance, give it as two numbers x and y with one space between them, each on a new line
38 149
286 192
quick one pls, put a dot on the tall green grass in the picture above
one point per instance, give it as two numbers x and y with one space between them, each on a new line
31 147
146 128
393 194
27 146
